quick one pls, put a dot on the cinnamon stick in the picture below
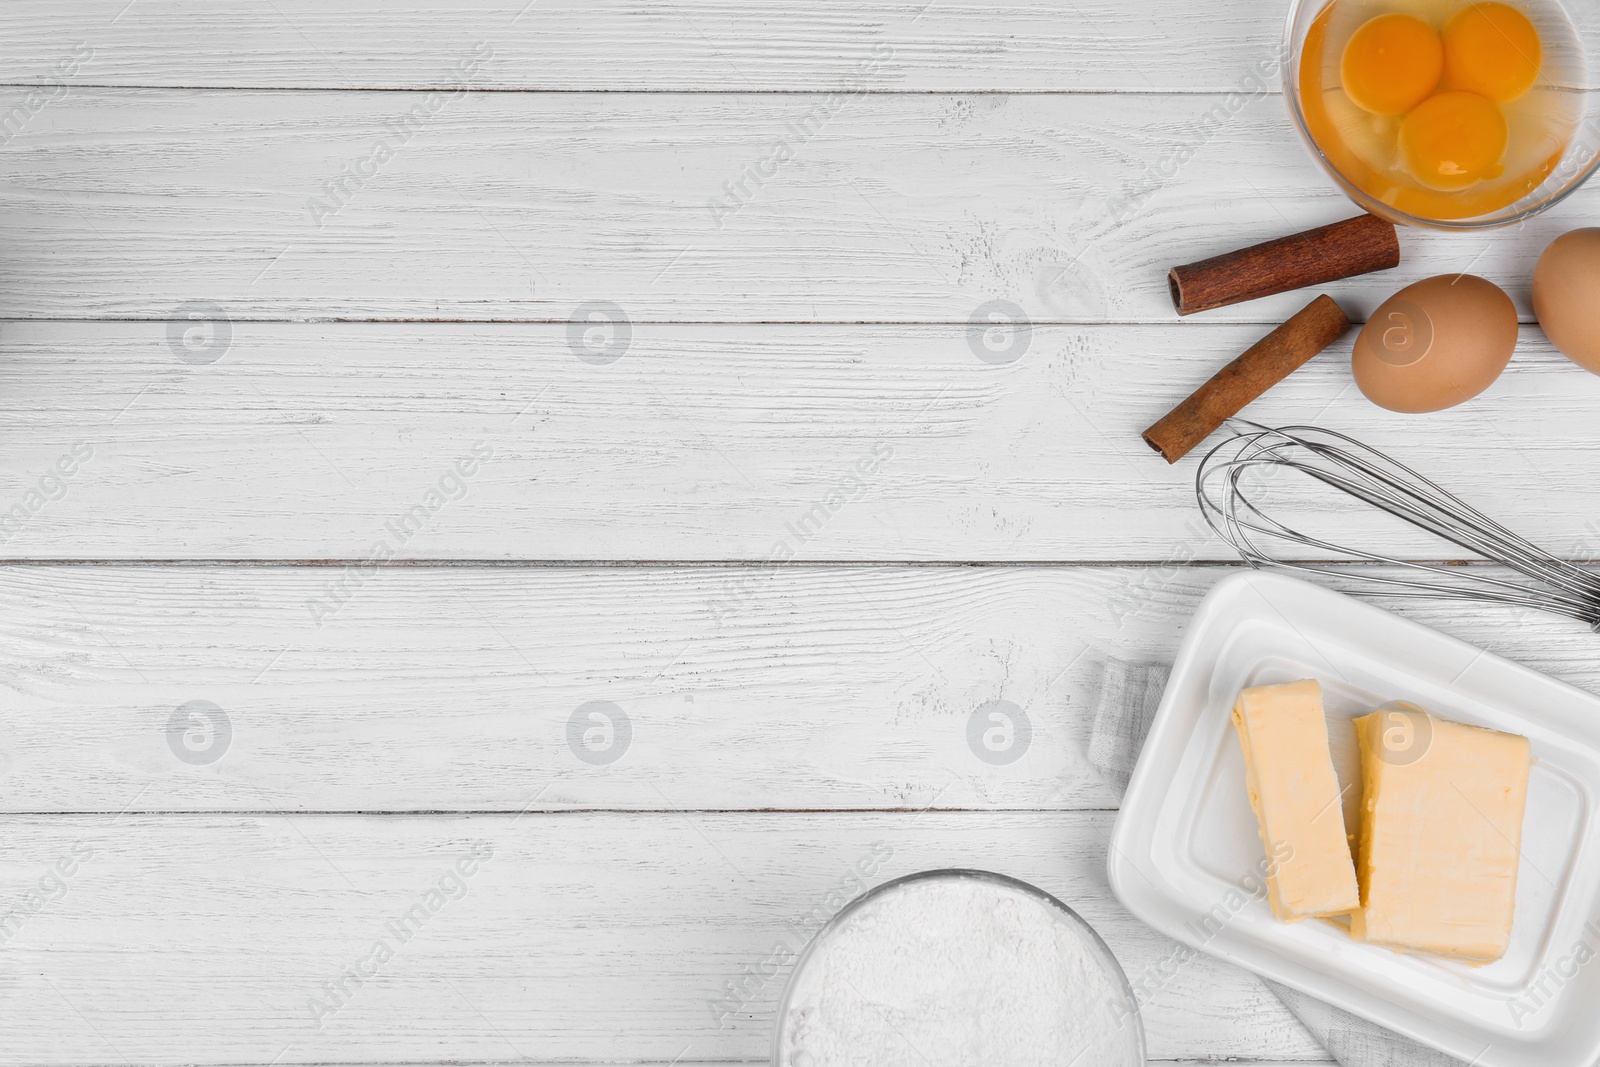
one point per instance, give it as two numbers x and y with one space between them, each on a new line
1263 365
1343 250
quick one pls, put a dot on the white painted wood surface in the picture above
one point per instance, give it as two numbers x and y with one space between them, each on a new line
682 45
707 442
589 934
634 888
229 390
581 935
568 45
837 688
137 203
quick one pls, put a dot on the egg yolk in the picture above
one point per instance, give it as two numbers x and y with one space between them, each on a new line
1492 50
1453 140
1391 64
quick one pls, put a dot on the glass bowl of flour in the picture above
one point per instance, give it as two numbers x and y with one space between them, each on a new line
958 969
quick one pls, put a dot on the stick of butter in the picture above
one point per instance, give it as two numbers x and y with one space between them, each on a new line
1297 800
1441 829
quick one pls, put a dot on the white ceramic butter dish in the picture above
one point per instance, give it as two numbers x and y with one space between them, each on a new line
1187 851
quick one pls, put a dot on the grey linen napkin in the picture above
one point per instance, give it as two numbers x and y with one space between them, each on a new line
1129 694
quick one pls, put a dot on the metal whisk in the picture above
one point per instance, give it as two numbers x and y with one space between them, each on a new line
1368 475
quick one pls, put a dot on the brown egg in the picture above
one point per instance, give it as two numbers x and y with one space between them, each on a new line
1566 296
1435 344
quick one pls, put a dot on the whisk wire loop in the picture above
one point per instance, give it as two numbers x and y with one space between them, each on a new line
1365 474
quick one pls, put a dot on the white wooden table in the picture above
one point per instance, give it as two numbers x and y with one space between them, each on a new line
344 470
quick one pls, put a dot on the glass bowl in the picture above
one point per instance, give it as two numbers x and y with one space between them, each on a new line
1580 159
1101 984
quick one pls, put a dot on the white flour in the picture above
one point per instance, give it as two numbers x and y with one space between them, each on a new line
958 973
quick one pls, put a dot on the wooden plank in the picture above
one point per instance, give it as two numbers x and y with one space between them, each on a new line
535 206
702 688
490 689
977 45
204 939
704 442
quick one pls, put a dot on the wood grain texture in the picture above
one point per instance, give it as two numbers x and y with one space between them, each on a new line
710 442
203 939
726 688
137 203
976 45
